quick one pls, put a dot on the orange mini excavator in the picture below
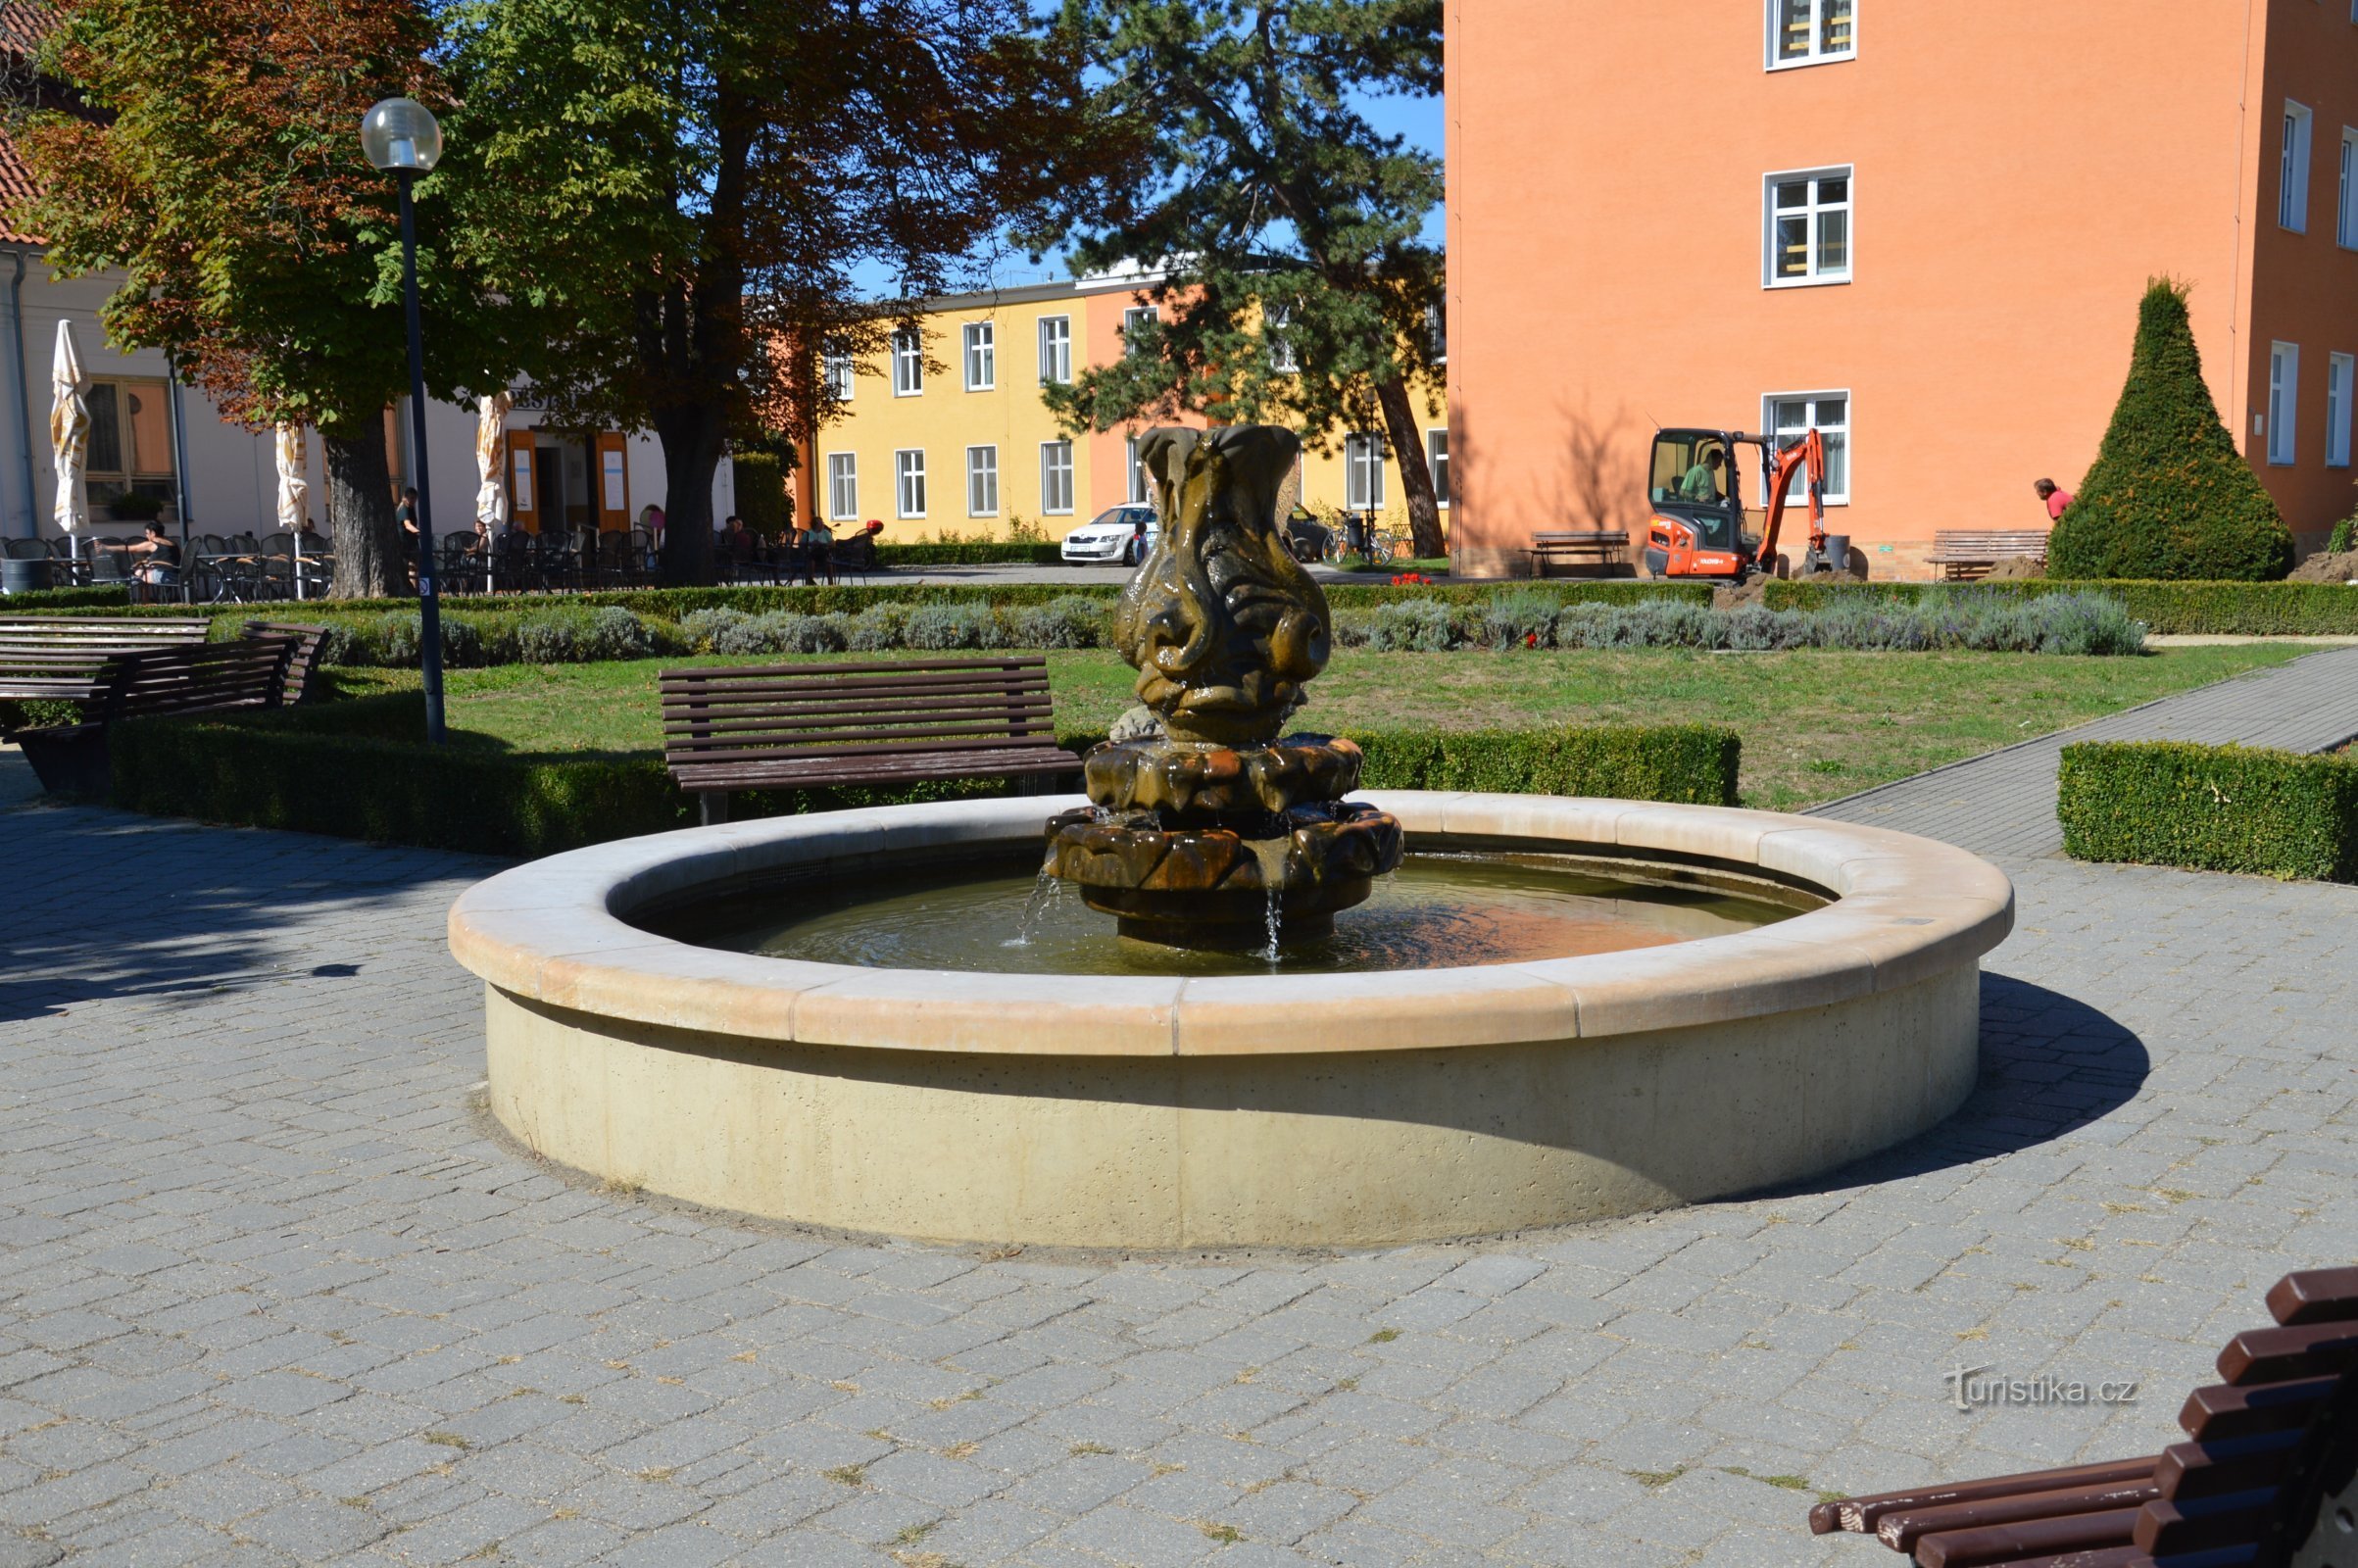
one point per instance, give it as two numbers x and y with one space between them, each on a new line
1697 492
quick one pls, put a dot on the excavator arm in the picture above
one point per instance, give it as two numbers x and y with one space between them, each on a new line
1809 454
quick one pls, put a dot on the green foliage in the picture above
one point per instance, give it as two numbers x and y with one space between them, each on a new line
2344 536
361 770
2169 497
76 600
1270 194
2235 609
975 552
1691 763
762 496
2211 808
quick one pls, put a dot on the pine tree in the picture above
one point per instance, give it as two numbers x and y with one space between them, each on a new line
2169 497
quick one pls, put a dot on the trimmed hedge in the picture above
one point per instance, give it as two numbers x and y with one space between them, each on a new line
2211 808
361 770
113 596
981 552
2238 609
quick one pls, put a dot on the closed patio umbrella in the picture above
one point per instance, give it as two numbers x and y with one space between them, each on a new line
294 490
69 435
491 442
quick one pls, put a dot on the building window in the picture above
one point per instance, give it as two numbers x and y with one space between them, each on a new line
1055 477
982 357
1436 458
908 478
2283 403
1137 470
2340 369
131 441
1133 319
908 365
843 486
2293 170
1791 415
1056 349
982 481
1808 33
1364 473
1437 335
1808 218
839 376
2346 222
1274 327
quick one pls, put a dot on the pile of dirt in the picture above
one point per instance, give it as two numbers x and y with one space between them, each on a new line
2016 568
1727 596
2328 566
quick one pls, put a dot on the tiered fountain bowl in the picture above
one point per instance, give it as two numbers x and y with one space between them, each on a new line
1557 1009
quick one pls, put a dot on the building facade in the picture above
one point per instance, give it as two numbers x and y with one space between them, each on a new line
1923 228
967 449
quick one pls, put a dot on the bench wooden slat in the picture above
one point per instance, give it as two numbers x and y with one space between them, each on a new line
1996 1544
1903 1530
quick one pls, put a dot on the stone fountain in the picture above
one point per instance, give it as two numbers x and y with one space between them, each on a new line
1205 828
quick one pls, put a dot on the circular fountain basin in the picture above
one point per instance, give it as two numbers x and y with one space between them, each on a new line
1275 1108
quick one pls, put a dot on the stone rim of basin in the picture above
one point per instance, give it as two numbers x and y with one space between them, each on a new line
555 933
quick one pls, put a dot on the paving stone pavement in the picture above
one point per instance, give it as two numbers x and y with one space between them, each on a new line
273 1291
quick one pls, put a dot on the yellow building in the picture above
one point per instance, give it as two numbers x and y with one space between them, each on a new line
970 451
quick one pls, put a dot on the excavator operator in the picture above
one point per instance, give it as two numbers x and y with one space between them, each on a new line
1701 483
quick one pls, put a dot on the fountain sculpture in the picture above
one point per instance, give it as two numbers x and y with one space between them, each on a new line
1206 829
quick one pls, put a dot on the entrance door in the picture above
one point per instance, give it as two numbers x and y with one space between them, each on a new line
548 470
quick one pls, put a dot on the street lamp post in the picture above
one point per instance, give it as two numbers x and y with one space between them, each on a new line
399 135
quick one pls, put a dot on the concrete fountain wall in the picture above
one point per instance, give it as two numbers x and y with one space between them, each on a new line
1311 1111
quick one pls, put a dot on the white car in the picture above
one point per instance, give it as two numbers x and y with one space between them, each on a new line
1118 536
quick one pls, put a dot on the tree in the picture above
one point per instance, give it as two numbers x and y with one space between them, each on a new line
218 165
1294 279
688 187
2169 496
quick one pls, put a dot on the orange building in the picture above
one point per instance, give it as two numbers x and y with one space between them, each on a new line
1923 227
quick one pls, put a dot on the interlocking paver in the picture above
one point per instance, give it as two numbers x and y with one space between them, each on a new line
270 1273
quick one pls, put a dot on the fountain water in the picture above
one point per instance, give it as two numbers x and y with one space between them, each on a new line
1208 830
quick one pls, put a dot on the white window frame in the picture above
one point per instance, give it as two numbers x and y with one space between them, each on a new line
1437 461
2293 136
908 482
982 481
1275 320
2342 377
843 486
1364 460
1131 318
842 375
1817 55
1812 211
1056 349
2345 229
2284 403
1768 423
908 365
1138 493
981 343
1056 464
1437 333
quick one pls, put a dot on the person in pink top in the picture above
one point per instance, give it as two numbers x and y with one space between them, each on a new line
2054 495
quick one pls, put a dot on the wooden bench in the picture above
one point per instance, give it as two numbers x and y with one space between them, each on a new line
303 668
64 658
812 727
2278 1436
195 677
1604 545
1965 554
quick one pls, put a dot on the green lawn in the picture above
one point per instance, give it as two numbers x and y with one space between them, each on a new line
1815 724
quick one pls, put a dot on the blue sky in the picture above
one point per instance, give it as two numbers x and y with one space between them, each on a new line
1418 119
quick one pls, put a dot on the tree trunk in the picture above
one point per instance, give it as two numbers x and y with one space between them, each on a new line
1408 440
359 516
691 443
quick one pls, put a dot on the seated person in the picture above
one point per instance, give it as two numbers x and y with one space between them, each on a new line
1702 485
160 567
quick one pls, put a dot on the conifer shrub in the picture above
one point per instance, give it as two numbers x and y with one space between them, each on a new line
2169 497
